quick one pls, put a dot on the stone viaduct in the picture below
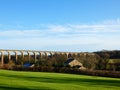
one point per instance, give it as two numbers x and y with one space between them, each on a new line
8 53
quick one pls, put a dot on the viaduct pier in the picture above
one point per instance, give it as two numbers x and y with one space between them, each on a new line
34 53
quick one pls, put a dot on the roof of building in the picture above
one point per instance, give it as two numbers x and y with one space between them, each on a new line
69 60
27 65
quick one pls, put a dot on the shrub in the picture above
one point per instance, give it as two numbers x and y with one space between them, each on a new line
115 74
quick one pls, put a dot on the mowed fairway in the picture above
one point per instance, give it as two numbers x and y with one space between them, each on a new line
17 80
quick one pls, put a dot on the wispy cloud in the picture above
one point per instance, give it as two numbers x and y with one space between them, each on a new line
95 36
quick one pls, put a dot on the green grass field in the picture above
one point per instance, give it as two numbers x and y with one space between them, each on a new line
18 80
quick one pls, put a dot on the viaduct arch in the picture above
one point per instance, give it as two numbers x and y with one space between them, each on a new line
34 53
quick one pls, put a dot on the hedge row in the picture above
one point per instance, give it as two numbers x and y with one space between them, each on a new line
115 74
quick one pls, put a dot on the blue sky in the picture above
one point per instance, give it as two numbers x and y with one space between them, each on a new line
60 25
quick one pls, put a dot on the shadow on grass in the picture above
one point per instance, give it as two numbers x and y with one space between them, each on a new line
12 88
67 80
23 88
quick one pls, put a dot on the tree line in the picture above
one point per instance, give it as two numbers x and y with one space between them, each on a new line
99 60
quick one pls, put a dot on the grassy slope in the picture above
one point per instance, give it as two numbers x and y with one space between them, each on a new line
12 80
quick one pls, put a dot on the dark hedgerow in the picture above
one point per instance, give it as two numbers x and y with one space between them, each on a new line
115 74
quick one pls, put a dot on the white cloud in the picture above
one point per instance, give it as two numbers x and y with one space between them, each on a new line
112 22
58 29
55 37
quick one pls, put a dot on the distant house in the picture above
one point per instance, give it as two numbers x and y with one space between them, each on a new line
28 65
74 63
